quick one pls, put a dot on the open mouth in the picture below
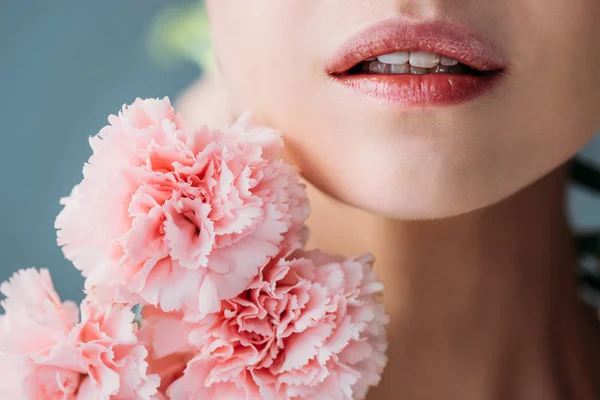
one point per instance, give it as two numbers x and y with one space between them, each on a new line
414 63
402 63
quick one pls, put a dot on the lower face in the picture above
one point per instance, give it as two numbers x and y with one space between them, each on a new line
401 140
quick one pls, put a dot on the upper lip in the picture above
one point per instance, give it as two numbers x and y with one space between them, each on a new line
396 35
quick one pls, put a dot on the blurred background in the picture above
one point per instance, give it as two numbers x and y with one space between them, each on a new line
64 67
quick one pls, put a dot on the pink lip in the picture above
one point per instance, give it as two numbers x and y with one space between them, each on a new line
432 89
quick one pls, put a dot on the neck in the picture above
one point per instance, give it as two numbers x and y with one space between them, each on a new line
484 305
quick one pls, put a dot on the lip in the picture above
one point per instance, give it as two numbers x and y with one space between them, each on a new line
438 37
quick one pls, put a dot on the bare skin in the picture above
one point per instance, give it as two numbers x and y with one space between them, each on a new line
483 306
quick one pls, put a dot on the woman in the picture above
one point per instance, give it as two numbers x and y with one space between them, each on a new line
435 134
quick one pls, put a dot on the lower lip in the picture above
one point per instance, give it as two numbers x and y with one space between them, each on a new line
408 90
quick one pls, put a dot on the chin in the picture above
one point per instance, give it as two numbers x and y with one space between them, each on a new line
414 205
419 191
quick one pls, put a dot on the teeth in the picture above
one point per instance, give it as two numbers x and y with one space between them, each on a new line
400 57
424 59
377 67
447 61
419 70
400 68
441 69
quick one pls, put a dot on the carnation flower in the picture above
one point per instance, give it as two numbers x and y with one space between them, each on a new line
47 354
205 229
166 337
179 219
308 327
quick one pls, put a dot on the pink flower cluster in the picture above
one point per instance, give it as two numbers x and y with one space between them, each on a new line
179 219
307 327
47 352
205 230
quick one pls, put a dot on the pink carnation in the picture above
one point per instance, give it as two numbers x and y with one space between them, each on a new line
179 219
47 354
308 327
166 336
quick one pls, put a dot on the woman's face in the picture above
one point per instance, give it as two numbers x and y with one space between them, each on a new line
371 144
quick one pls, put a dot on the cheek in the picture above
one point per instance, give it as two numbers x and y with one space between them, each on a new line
559 81
235 37
556 52
256 43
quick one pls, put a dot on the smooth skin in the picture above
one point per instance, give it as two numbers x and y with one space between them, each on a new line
463 205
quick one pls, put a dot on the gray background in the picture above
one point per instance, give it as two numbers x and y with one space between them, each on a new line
64 67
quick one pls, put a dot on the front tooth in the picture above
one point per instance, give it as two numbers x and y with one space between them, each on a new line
448 62
400 57
441 69
419 70
424 59
400 68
